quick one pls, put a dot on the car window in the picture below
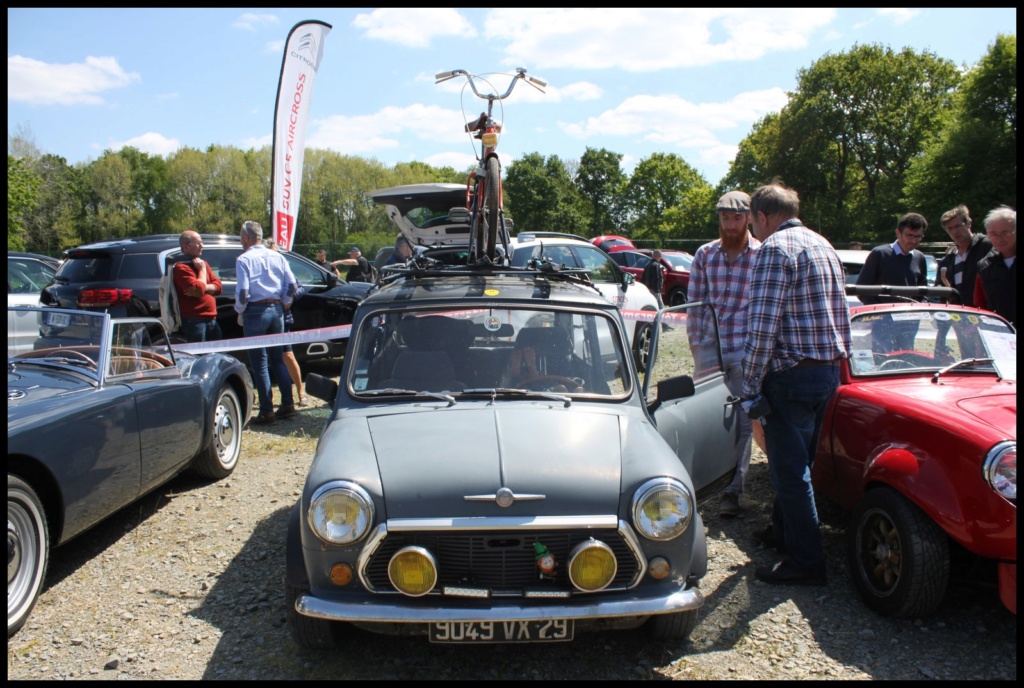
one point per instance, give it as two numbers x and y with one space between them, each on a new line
27 276
678 261
560 255
139 266
222 260
598 262
90 268
306 274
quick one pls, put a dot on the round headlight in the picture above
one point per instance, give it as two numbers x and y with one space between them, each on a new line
340 513
662 509
592 566
413 571
1001 469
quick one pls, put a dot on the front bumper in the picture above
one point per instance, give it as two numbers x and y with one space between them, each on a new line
581 609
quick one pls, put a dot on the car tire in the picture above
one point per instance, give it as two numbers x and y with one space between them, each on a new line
28 551
673 627
676 297
898 557
307 631
220 456
641 345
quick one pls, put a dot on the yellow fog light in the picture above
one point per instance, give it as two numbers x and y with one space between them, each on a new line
592 566
413 571
341 574
658 568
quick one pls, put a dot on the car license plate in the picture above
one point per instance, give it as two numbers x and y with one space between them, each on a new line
58 319
545 631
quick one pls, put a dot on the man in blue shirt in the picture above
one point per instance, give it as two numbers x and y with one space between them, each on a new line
265 286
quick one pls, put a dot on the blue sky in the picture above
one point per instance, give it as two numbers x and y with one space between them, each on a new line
634 81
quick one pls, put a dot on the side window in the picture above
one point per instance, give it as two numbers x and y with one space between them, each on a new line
222 260
306 274
599 264
140 266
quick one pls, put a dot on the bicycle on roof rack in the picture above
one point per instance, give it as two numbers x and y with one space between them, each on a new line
484 200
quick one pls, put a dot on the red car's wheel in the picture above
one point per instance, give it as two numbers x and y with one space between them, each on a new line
898 557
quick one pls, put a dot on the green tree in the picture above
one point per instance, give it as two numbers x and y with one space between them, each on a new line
540 196
599 179
22 189
666 198
110 208
55 222
972 158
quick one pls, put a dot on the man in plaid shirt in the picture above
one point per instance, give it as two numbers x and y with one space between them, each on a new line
720 275
798 327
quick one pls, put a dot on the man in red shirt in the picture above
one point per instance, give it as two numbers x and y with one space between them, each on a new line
196 285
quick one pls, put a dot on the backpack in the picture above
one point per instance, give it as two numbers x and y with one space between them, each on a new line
170 312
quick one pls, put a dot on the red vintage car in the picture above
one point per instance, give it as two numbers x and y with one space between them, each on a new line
610 243
920 443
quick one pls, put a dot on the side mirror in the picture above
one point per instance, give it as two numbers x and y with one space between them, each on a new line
679 387
627 279
321 387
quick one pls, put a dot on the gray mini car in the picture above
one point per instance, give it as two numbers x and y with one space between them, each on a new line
496 470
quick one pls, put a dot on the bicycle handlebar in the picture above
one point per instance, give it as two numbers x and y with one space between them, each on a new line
534 81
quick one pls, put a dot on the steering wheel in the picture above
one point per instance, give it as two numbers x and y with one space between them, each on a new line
567 382
895 364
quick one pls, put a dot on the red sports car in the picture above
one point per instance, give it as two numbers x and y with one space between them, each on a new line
677 270
920 443
609 243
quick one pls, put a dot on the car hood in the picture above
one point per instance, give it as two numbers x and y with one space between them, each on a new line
990 403
28 384
429 468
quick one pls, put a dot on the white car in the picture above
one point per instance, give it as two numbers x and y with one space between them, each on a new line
853 262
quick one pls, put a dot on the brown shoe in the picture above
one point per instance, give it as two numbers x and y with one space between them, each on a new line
267 418
286 411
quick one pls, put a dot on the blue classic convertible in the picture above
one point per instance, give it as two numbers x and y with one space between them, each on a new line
97 416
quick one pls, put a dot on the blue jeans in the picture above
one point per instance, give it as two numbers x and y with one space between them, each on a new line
200 330
267 318
798 398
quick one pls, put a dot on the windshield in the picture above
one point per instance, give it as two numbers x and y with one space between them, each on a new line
488 352
895 342
679 261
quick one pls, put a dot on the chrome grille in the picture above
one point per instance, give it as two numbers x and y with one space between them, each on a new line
501 561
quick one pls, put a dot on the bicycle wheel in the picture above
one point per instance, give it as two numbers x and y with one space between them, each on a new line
491 204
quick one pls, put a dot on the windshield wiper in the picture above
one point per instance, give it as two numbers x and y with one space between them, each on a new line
966 361
422 393
494 391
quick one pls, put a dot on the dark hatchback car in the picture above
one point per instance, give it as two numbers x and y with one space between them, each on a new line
123 278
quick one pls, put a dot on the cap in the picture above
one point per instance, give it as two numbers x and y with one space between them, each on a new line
354 249
734 201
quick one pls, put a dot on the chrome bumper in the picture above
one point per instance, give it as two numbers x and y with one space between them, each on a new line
386 612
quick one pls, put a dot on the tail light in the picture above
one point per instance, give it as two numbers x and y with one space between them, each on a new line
104 297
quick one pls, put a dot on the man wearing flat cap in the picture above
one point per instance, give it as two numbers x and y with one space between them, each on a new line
720 275
359 267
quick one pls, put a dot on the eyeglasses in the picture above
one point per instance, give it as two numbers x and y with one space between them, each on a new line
1001 235
953 228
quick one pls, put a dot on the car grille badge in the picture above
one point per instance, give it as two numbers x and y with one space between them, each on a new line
504 497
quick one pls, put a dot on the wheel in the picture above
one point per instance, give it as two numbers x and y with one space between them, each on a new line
642 345
898 557
220 456
895 364
672 627
28 551
492 201
676 297
308 631
567 382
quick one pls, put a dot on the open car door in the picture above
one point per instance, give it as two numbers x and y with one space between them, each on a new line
687 397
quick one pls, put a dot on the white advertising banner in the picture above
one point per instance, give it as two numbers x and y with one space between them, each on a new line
302 54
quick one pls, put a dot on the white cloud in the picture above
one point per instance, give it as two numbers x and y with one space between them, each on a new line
381 130
413 28
671 121
898 15
253 22
39 83
457 161
258 142
275 47
620 38
150 142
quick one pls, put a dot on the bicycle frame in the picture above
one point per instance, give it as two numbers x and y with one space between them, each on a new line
484 194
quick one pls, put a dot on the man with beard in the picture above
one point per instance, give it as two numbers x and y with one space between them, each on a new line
720 275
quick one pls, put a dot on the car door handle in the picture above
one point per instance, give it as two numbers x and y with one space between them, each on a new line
732 401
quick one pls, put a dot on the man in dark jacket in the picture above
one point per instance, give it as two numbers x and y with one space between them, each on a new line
653 276
959 267
996 286
898 264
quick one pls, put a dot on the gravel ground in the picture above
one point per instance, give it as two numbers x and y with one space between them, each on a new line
187 584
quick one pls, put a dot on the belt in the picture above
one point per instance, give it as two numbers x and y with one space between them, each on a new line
808 362
267 301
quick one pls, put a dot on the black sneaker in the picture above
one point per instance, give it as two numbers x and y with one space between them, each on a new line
785 573
729 505
286 411
267 418
766 538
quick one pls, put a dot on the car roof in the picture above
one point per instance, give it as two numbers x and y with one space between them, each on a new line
152 243
468 287
36 256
